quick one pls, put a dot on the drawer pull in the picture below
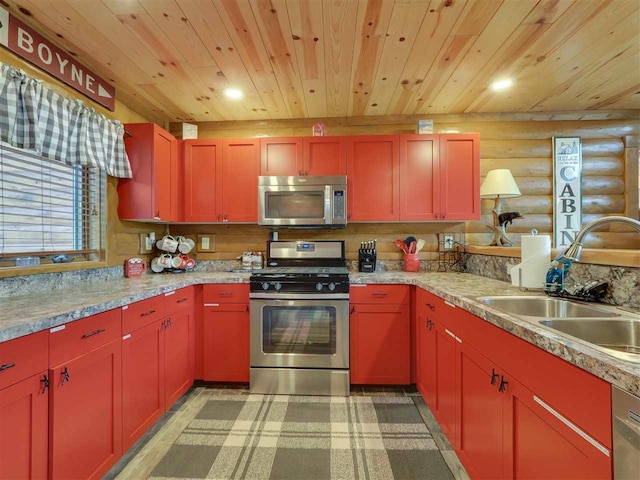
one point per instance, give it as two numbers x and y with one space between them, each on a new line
96 332
379 294
45 384
65 376
430 306
182 300
150 312
7 366
503 384
225 294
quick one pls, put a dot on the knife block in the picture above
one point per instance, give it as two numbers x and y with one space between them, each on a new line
366 260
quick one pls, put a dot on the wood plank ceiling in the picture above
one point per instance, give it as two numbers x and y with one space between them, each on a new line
173 59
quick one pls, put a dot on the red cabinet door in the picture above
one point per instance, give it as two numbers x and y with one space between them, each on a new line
380 345
239 180
24 429
153 191
446 382
324 155
202 167
460 176
419 177
281 156
226 342
540 442
85 421
426 348
142 381
178 356
479 429
373 184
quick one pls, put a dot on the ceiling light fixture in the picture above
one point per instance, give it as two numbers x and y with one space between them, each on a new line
233 93
501 84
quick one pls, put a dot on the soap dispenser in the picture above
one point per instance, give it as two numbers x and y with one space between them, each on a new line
554 281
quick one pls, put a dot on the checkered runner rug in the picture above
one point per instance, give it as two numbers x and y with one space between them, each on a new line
304 437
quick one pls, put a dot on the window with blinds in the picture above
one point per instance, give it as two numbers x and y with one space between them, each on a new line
49 208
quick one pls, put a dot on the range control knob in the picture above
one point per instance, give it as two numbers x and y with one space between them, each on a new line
332 286
318 286
277 286
265 285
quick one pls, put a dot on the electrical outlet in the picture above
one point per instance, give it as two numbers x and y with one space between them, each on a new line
146 243
206 243
448 242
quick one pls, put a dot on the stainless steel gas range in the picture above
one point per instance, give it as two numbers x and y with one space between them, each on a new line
300 320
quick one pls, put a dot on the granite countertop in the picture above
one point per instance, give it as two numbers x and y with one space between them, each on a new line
26 314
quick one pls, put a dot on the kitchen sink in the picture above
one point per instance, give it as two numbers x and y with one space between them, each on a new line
620 336
546 307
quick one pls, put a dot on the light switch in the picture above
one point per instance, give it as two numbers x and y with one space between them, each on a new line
206 243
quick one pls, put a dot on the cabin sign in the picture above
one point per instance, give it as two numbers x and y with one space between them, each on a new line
567 190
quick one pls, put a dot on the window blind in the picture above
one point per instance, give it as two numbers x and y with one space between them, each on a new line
48 207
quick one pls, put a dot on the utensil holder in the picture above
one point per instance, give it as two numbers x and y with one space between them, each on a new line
367 260
411 262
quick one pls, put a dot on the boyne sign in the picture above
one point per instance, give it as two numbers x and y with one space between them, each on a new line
33 47
567 190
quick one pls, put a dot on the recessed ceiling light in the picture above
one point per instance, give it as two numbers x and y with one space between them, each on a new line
501 84
233 93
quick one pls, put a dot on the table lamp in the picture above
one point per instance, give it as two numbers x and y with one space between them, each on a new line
500 184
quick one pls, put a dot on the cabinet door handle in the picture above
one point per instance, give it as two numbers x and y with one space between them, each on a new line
147 313
503 384
430 306
494 376
45 384
65 376
95 332
7 366
247 310
169 323
378 294
164 325
182 300
353 310
437 215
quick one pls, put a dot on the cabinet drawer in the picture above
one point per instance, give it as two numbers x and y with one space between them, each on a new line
226 292
77 338
389 294
142 313
178 300
23 357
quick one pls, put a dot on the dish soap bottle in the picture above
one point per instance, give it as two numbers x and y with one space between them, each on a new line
554 279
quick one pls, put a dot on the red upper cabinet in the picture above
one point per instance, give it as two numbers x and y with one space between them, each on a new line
221 180
153 192
202 160
419 177
324 155
240 171
281 156
373 193
460 176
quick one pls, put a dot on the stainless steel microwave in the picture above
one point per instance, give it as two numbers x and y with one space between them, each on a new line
302 202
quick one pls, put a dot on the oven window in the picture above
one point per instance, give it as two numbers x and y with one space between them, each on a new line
308 330
295 204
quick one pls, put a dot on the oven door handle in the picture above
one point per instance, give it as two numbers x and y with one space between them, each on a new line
299 296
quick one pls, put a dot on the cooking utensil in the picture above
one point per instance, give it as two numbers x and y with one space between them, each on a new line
402 245
409 239
420 245
412 247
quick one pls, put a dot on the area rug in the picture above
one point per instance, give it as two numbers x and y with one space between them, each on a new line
304 438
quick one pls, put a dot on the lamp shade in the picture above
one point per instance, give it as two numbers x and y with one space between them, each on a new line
499 183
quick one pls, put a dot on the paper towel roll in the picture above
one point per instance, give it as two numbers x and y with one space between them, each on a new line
534 245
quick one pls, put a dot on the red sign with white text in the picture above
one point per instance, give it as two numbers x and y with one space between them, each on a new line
33 47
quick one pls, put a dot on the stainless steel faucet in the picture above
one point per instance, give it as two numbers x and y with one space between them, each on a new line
574 250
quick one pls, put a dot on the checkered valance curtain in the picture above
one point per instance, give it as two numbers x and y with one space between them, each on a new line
35 117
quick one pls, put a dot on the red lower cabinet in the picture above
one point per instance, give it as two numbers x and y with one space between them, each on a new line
542 443
85 422
24 411
379 335
226 340
142 381
178 356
